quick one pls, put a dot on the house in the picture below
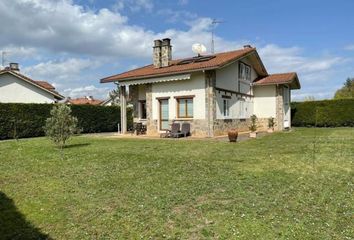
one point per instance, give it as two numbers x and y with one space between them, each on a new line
87 100
17 88
214 93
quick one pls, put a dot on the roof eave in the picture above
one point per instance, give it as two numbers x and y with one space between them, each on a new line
158 75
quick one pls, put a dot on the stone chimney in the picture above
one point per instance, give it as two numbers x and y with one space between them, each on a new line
166 52
156 57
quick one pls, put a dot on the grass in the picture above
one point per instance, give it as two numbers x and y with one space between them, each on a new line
276 187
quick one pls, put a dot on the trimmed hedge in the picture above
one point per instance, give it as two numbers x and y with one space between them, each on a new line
330 113
27 120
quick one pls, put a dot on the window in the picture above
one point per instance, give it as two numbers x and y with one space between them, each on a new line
142 109
226 107
244 72
242 108
185 107
164 114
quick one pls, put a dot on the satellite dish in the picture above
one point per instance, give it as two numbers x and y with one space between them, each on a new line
198 48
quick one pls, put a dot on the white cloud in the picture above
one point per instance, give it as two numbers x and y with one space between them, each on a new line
183 2
134 5
349 47
58 71
174 16
90 90
317 75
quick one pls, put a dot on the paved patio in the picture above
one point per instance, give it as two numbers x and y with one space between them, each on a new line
243 136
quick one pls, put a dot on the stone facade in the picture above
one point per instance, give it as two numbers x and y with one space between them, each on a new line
166 53
222 126
279 108
210 101
151 124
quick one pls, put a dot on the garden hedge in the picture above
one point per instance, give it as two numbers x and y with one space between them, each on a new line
326 113
27 120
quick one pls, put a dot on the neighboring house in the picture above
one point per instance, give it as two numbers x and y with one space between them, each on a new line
17 88
214 93
88 100
107 102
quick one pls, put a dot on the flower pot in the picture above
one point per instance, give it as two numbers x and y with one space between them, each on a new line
233 134
270 130
253 134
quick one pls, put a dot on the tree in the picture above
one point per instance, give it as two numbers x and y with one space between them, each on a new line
114 96
61 125
347 91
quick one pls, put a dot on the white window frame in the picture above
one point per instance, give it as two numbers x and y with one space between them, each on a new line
242 108
243 74
226 107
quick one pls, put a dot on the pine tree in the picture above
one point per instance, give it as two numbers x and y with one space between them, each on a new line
347 91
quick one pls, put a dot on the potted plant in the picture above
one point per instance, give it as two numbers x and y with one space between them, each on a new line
232 134
253 126
271 124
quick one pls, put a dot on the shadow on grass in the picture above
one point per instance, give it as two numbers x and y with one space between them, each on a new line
13 224
77 145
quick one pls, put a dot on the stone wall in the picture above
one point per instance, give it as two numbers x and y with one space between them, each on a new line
210 102
222 126
151 124
279 108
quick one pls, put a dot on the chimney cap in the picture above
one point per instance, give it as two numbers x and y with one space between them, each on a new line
157 43
247 46
14 66
166 41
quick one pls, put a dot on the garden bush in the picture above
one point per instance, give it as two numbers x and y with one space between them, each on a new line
326 113
19 120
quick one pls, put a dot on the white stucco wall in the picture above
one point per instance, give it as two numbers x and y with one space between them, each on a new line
194 86
265 101
16 90
239 108
227 77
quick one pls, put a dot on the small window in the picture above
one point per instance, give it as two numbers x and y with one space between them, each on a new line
142 109
185 107
226 107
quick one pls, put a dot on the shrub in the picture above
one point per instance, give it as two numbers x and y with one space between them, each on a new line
27 120
271 122
253 126
61 125
326 113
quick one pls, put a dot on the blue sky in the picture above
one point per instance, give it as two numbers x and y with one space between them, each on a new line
72 44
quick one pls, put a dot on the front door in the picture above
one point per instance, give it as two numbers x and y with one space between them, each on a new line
286 101
164 114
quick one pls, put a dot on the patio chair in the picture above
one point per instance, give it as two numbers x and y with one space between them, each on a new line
185 131
175 129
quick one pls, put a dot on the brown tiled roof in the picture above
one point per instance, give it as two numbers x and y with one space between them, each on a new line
45 84
219 60
83 101
280 78
41 84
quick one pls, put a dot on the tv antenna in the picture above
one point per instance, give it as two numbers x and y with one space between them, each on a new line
214 23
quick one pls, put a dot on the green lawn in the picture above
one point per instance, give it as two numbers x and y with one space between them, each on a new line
275 187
